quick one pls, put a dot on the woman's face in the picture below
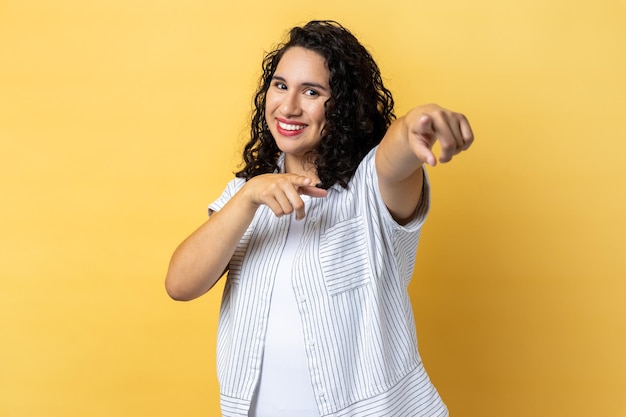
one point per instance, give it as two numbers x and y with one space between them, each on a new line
294 108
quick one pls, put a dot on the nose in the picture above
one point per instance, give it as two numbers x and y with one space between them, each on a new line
290 105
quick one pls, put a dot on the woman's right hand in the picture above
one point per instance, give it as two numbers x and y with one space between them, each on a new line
281 192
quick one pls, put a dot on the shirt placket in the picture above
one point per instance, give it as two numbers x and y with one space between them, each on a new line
307 253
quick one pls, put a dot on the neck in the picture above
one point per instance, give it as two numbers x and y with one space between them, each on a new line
301 166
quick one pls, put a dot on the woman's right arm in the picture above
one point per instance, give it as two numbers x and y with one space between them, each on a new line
199 262
201 259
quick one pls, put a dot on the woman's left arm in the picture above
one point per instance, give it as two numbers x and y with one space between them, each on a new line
407 145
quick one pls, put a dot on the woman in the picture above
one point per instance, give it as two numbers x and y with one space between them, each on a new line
318 233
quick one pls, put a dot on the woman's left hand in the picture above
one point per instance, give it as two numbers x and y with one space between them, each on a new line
430 123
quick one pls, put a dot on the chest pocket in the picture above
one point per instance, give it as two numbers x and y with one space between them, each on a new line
344 256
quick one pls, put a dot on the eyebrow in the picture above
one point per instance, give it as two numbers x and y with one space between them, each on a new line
305 84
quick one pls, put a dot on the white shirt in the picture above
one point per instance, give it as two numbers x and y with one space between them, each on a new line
351 270
284 388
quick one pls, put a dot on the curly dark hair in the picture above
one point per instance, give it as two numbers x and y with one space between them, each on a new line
358 113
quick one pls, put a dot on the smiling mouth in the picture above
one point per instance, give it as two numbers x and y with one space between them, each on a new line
290 127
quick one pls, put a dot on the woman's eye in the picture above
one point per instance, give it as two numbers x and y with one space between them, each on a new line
281 86
310 92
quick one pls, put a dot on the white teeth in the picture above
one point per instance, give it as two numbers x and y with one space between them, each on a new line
286 126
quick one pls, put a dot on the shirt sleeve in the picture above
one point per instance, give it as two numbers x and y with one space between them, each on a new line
367 173
231 189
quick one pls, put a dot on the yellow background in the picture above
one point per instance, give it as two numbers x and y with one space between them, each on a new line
120 120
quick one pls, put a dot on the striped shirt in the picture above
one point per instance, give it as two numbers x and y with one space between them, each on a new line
350 276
